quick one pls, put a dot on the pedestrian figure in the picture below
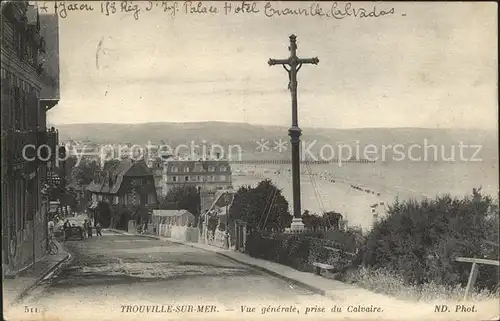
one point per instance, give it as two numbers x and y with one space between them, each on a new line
98 229
85 228
66 226
89 229
51 228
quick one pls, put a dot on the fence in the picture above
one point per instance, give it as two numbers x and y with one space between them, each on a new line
181 233
474 271
217 238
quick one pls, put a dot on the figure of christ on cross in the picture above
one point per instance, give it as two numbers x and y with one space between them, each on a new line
294 64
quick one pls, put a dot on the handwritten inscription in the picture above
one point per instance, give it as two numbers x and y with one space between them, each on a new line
199 8
336 11
243 7
333 10
128 6
63 9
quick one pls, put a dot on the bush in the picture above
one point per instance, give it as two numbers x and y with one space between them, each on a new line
418 241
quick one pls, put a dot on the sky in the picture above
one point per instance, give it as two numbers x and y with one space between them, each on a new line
427 65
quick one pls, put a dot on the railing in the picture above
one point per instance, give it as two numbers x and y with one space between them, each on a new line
474 271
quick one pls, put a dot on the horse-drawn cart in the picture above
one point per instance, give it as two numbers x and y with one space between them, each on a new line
74 232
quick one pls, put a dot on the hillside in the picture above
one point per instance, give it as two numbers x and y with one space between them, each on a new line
246 136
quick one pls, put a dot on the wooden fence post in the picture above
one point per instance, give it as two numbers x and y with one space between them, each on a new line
472 280
474 271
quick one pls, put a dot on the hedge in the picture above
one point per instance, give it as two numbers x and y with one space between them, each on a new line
298 251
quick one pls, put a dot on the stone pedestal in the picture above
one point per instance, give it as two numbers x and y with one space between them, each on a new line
297 225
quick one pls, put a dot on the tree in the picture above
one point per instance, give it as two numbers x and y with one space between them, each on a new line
182 198
121 215
104 213
311 221
85 172
331 220
140 214
262 207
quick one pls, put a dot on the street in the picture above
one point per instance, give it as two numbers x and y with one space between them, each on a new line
115 270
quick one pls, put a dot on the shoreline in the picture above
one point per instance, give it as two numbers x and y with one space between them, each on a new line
352 190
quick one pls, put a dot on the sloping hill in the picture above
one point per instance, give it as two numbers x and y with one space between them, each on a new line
246 135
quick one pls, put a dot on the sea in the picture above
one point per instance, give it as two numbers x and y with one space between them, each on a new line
362 192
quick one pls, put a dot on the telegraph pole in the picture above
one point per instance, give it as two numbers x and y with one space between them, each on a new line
294 63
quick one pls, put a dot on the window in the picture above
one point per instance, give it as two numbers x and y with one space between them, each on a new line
211 169
223 168
116 200
174 178
130 198
186 169
186 178
193 178
174 169
199 178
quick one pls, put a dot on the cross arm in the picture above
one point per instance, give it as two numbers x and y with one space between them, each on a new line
273 62
313 61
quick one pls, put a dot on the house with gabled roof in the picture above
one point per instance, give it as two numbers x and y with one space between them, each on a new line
127 183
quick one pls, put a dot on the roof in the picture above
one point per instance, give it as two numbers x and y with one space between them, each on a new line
113 175
198 166
223 202
171 213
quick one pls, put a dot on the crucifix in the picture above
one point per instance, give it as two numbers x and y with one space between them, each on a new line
294 64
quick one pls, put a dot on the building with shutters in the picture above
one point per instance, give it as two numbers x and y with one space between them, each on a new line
205 174
30 87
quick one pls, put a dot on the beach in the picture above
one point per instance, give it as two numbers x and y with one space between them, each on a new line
352 188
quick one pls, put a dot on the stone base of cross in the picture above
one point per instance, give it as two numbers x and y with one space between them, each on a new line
297 225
